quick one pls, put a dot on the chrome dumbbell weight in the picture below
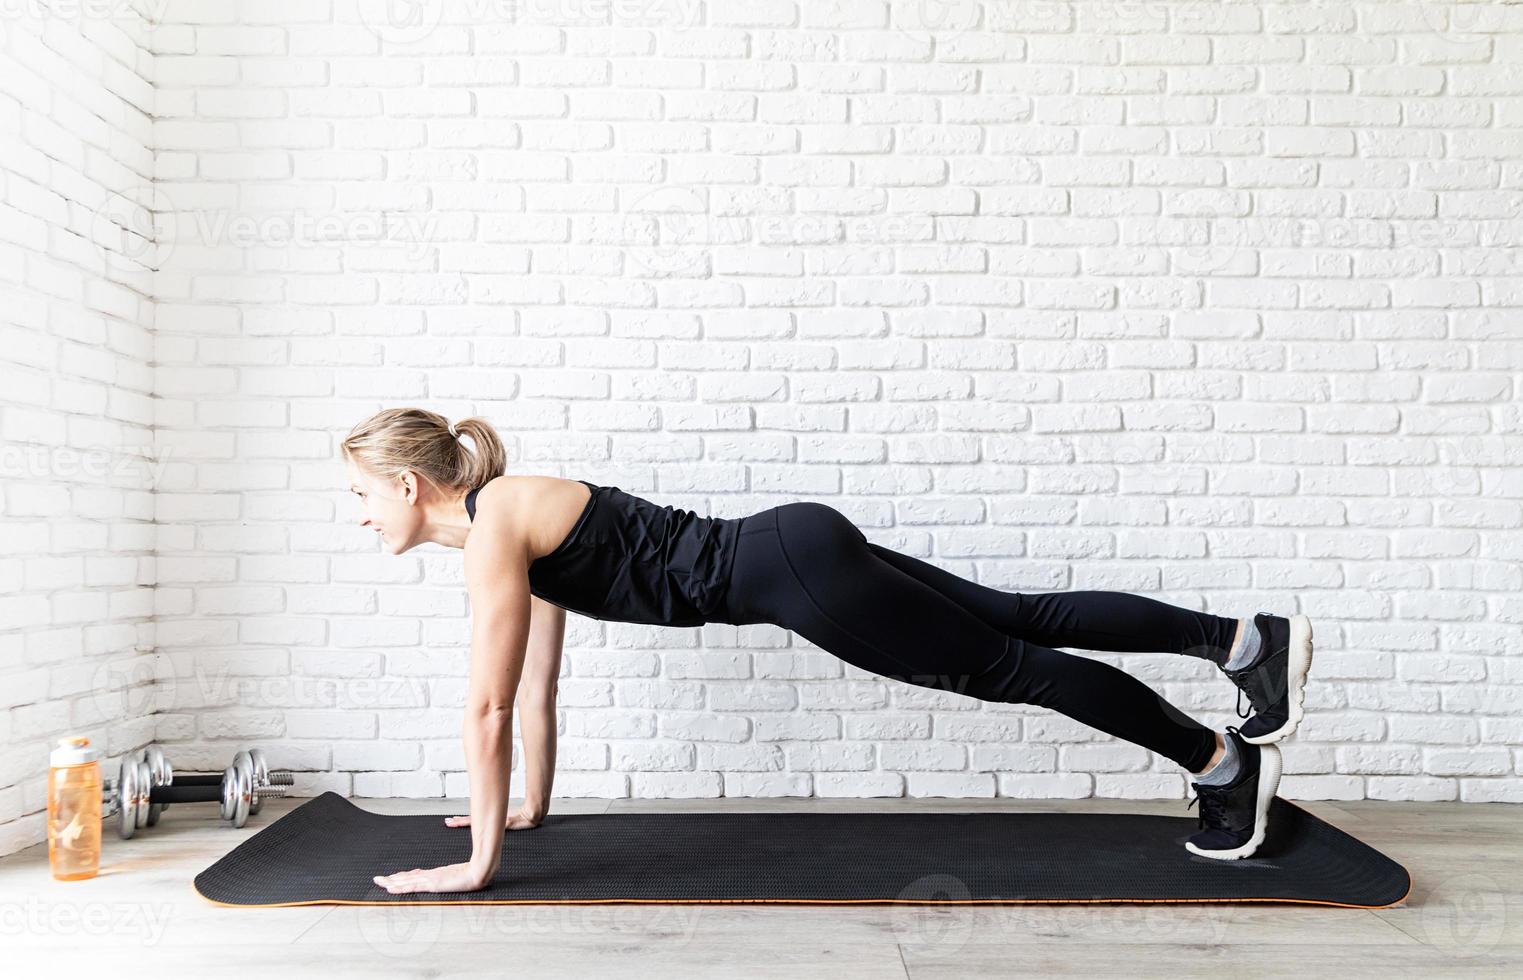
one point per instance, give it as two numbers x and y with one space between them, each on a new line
158 773
247 782
145 786
264 781
267 782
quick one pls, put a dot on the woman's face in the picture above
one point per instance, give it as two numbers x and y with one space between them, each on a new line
388 507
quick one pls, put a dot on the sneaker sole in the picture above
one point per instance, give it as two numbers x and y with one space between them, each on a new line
1298 666
1270 767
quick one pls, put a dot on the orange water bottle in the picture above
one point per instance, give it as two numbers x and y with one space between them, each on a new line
74 805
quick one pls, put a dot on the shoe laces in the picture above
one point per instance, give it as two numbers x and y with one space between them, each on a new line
1213 801
1241 690
1213 806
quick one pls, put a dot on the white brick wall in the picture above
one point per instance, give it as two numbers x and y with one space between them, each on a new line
1212 301
76 410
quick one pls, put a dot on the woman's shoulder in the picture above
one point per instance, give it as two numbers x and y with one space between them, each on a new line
539 508
520 488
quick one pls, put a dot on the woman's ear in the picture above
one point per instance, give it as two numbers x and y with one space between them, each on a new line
409 486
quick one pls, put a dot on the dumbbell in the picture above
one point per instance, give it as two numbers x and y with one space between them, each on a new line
160 773
145 786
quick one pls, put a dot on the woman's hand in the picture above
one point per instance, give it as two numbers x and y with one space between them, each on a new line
521 818
448 878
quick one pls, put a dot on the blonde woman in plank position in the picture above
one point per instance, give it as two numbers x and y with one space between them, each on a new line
536 546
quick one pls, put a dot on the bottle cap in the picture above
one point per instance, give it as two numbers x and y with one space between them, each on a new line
73 751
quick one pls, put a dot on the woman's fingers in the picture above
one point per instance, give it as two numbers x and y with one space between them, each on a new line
403 881
446 878
514 821
398 882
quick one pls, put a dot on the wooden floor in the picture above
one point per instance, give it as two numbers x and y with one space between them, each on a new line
140 917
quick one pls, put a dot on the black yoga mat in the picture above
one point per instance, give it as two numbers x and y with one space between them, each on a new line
327 850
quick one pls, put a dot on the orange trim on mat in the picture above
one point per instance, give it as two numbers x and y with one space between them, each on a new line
810 901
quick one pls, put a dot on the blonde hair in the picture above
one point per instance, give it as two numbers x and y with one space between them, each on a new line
398 439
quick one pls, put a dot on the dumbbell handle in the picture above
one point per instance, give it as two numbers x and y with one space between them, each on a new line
197 779
278 777
194 793
201 792
202 789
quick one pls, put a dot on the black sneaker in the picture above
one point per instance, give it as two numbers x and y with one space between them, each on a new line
1235 817
1276 681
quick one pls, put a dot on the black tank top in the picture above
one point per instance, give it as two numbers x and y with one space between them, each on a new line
629 560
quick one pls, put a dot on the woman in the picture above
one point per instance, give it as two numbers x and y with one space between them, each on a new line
537 546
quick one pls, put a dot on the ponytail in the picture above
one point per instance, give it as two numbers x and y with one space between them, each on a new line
489 458
398 439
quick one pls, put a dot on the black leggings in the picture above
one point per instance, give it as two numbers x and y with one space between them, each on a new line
804 566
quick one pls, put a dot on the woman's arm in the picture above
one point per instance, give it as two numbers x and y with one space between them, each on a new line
536 711
535 708
497 578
